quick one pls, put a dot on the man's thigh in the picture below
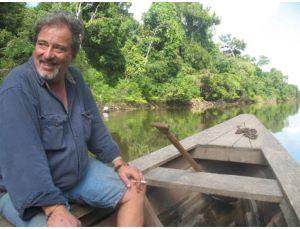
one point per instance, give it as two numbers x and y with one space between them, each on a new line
9 212
100 187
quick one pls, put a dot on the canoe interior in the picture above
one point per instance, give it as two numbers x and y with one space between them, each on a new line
178 207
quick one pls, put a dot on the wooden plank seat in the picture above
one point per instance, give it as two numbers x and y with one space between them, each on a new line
221 153
87 215
218 184
4 222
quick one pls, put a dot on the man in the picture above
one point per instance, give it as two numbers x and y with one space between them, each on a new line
48 123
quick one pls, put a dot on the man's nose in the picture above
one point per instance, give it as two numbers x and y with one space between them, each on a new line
49 53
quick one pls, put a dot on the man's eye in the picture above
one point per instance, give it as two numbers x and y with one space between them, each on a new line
42 45
60 49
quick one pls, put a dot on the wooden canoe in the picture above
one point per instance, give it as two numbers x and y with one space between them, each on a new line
259 174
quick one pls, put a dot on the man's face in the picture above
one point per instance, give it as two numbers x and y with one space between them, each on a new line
53 54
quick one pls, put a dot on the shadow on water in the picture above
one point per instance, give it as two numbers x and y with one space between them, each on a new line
136 137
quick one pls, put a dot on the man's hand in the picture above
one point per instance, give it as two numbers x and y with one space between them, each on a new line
59 216
129 175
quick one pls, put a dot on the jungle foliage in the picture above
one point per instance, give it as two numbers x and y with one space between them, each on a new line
169 57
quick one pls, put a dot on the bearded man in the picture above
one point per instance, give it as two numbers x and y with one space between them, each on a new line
49 121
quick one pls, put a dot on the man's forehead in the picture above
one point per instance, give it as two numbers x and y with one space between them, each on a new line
60 33
55 27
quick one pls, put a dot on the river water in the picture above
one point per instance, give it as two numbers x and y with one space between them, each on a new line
136 137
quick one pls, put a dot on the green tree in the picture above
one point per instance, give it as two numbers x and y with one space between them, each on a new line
263 60
232 46
162 24
223 86
11 16
196 56
198 23
105 37
15 35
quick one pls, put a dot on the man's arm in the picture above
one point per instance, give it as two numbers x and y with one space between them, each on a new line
24 165
100 143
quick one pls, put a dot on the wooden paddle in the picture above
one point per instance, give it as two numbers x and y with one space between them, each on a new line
165 129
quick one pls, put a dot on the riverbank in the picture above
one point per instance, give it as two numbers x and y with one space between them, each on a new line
194 105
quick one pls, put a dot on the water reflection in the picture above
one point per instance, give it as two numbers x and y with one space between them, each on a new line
136 137
289 136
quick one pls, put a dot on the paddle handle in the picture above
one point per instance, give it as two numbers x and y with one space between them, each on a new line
165 130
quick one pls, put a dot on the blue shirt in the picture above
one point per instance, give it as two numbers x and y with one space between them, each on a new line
43 147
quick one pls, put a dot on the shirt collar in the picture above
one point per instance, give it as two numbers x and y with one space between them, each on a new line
70 78
38 77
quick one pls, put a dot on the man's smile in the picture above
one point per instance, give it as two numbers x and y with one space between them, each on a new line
48 65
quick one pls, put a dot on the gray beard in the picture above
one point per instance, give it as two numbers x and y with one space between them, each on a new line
47 76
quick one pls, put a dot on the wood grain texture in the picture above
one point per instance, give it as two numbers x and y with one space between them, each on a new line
233 154
218 184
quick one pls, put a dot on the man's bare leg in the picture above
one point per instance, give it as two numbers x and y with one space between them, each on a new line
131 211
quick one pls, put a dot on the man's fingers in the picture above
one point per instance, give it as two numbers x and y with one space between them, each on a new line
130 175
136 174
126 180
140 181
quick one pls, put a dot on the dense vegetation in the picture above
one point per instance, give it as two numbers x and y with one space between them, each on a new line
170 57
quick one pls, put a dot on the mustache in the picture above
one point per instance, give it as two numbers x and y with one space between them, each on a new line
51 61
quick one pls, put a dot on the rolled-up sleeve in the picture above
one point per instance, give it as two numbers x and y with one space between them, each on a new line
24 166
